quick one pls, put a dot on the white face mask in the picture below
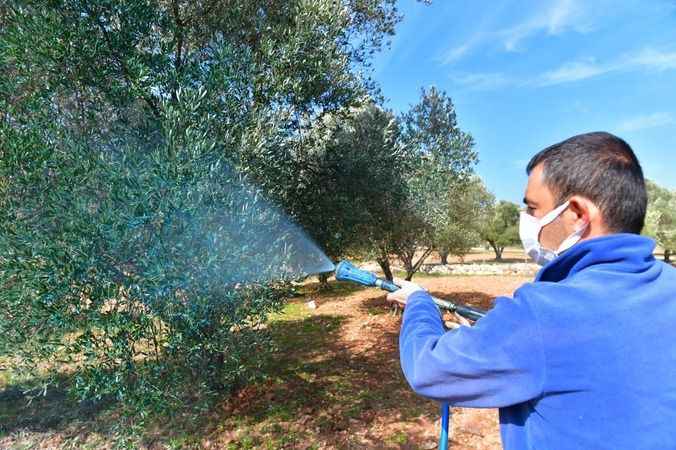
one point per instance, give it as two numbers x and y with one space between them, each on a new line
529 231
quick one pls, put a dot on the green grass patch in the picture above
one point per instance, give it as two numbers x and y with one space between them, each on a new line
399 438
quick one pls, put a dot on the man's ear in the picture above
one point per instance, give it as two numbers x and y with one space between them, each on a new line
582 211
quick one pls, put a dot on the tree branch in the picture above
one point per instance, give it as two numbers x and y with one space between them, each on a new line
178 62
126 76
422 259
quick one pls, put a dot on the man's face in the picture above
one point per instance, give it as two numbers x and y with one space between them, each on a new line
539 201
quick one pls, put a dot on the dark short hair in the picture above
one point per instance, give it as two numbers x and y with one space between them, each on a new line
602 168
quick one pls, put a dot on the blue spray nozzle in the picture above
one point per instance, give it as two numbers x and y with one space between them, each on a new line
346 271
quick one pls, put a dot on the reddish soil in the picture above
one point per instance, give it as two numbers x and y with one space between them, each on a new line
471 428
374 407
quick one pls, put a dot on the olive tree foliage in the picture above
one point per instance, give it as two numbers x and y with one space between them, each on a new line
467 211
443 162
125 262
661 218
301 50
362 170
123 257
501 227
130 136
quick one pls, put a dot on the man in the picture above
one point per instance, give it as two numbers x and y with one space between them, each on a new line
585 356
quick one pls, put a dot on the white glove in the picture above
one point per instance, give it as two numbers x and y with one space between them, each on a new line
401 296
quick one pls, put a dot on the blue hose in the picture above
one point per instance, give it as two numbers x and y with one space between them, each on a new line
445 419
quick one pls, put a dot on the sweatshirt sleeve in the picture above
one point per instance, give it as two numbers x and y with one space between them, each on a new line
496 363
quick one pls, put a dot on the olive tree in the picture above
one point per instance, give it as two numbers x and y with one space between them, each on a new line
501 227
131 136
467 211
360 184
443 162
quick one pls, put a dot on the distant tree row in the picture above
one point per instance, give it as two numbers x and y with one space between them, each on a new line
392 187
498 223
661 219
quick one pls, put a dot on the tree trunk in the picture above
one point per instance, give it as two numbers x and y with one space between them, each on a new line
408 266
412 268
667 255
323 281
498 251
406 256
384 264
443 255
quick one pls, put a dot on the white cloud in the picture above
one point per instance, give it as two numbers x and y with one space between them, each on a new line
645 59
456 53
573 71
557 17
653 59
482 81
658 119
552 17
561 15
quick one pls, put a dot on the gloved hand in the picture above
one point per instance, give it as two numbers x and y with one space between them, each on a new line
457 322
401 296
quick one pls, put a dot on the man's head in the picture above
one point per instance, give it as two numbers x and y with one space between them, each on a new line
601 178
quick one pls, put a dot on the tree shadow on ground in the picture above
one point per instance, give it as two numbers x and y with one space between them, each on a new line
323 389
22 408
43 413
379 304
319 388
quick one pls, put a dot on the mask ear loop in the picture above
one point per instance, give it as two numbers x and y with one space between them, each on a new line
572 239
552 215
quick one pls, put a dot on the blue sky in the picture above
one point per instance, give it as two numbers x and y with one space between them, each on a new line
526 74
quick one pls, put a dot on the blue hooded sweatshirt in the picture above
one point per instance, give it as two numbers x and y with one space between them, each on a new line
582 358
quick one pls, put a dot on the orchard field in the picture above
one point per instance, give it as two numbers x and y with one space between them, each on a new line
171 172
333 382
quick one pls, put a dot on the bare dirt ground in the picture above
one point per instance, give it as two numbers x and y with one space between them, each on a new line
357 397
371 336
